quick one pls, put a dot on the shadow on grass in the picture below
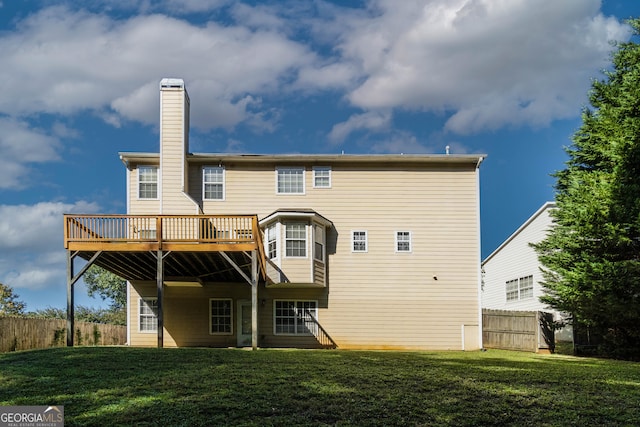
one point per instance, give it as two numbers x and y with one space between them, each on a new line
133 386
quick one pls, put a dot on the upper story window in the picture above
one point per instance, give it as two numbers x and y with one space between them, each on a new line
272 241
518 289
147 182
359 241
213 183
319 242
322 177
403 241
290 180
295 239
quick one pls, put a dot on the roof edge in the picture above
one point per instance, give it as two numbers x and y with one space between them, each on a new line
545 206
475 159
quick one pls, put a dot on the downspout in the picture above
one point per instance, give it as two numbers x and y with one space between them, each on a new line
479 274
199 210
128 178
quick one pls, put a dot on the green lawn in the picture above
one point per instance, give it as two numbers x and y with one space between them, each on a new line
167 387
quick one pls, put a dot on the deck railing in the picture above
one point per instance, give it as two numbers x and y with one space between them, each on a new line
313 326
173 229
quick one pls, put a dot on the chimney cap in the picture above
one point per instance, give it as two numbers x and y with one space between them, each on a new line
171 83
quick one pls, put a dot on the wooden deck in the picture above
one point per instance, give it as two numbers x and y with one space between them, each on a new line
198 244
167 248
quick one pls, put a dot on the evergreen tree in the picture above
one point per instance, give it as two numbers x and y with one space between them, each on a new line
591 256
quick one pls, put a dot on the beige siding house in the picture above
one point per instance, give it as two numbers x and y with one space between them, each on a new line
351 251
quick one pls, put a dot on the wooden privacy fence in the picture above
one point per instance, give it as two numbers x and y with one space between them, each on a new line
17 333
518 330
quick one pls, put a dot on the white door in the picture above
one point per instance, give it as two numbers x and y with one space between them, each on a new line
244 323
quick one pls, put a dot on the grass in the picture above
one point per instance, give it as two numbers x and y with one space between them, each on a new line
191 387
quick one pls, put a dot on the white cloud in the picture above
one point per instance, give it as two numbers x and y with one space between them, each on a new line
191 6
61 61
331 76
369 121
32 255
486 63
259 16
400 143
490 62
34 276
36 227
21 146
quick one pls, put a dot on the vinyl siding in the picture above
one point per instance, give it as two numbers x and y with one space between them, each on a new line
382 298
137 338
139 206
186 314
173 143
514 260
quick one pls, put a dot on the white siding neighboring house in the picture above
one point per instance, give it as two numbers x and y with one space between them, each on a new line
511 274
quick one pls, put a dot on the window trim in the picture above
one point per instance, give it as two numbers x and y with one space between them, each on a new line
223 183
521 282
275 241
288 168
321 168
295 302
322 242
230 301
517 288
410 241
353 241
156 182
306 239
153 316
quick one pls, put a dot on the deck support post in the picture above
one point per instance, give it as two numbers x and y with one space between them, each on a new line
70 298
71 281
254 300
160 288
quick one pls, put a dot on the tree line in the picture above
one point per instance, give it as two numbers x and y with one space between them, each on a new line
99 282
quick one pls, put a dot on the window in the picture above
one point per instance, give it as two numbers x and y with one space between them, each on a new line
322 177
512 290
296 239
147 182
243 234
213 183
148 318
272 242
318 238
403 241
359 241
220 311
526 287
147 235
295 317
519 289
290 180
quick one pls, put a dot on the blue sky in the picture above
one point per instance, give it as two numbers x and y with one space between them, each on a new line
79 83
